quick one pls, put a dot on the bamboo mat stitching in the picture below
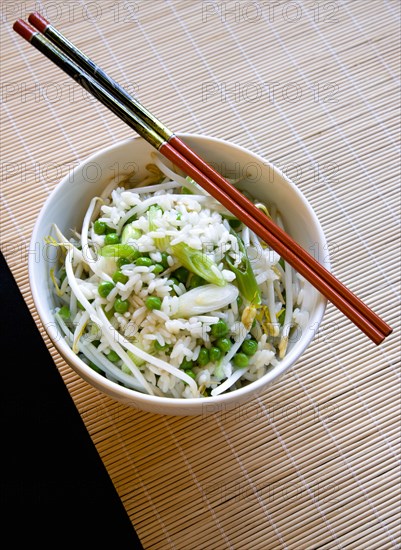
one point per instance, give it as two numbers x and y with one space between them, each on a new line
238 116
372 46
19 46
347 462
348 75
343 137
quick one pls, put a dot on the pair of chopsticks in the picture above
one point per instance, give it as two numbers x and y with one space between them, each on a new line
50 42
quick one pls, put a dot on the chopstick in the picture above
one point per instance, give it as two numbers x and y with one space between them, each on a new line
84 71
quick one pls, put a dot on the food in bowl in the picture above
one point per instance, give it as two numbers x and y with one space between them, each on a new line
165 292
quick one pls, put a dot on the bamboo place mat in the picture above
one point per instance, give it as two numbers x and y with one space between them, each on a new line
312 86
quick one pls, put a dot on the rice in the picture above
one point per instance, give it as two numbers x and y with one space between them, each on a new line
174 294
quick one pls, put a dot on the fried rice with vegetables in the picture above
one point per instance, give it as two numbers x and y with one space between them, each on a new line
163 291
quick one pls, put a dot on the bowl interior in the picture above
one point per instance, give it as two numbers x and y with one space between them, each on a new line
69 201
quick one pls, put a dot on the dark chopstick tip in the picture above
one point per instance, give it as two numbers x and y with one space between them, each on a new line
38 21
24 30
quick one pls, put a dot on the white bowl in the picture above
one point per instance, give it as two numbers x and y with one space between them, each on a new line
69 201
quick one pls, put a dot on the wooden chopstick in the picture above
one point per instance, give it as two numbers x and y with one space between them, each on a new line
106 90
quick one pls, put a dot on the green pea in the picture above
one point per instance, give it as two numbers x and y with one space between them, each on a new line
119 277
143 261
112 356
203 357
224 344
130 233
110 230
249 347
190 373
121 306
241 360
111 238
159 347
64 312
153 302
164 260
99 227
182 274
122 261
105 288
158 269
219 329
119 251
196 281
174 281
215 354
186 364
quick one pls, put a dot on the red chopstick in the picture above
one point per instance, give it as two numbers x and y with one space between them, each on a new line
64 54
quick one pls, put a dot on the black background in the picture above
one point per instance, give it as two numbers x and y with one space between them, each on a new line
56 490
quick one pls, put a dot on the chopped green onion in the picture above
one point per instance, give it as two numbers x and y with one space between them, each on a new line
134 358
159 347
205 298
245 277
199 263
130 233
161 243
119 251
